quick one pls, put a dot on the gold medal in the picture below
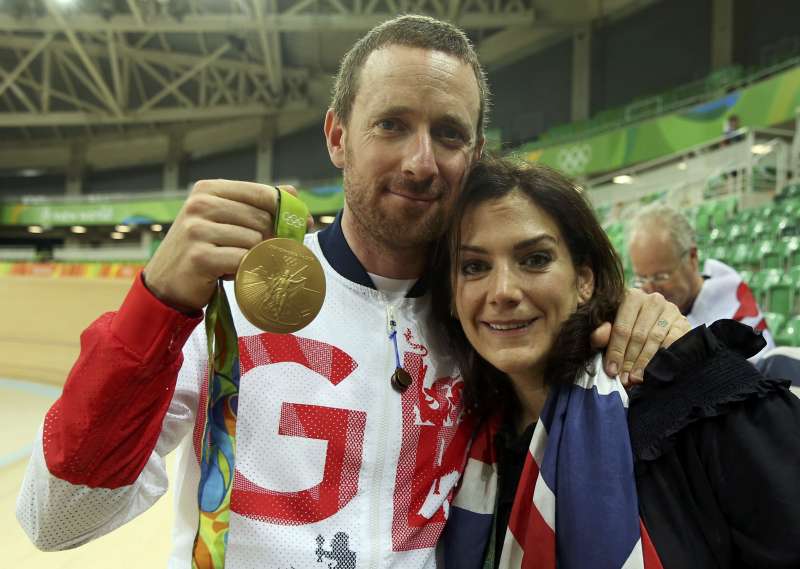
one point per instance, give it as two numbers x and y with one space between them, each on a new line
280 286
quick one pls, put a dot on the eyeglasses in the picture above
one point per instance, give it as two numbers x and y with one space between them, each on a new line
658 278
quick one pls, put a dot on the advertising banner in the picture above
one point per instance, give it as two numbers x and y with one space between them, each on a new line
764 104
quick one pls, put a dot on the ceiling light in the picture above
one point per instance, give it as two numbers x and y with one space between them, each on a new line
327 219
623 179
78 229
123 228
117 235
761 149
156 227
35 229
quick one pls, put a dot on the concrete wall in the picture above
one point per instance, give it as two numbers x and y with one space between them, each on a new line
660 47
303 156
533 94
758 24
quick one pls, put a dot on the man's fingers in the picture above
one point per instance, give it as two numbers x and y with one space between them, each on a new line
261 196
245 203
224 234
291 189
221 261
222 210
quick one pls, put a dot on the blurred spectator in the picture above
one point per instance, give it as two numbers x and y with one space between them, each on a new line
663 251
730 129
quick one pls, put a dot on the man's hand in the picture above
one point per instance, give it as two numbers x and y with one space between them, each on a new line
220 221
644 323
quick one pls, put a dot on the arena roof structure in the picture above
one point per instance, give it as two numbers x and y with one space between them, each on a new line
217 72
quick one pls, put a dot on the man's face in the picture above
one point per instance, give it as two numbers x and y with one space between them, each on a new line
408 144
663 268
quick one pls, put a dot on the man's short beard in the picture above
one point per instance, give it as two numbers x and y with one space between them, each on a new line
391 232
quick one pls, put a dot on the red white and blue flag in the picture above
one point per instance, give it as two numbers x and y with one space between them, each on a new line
576 504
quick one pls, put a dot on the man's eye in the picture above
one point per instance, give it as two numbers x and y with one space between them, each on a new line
470 268
389 124
450 134
537 260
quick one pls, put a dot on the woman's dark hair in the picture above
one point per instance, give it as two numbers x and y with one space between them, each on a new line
487 390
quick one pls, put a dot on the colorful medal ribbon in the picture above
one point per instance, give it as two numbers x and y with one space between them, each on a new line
218 453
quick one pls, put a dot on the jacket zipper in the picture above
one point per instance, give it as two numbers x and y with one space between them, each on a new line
378 504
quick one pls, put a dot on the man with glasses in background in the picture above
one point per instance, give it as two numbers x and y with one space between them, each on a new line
663 250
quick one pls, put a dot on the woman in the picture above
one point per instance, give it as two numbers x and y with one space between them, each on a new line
703 472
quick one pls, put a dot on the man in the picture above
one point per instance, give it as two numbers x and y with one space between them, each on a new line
331 460
663 251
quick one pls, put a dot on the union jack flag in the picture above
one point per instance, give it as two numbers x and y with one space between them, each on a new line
576 505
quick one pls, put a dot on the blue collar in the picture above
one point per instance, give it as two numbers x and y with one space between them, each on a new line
341 257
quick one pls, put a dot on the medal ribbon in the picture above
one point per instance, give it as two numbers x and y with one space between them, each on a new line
218 453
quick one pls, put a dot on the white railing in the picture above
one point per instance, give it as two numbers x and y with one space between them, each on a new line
75 254
752 166
17 254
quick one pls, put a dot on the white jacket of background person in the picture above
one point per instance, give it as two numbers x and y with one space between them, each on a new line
725 295
333 465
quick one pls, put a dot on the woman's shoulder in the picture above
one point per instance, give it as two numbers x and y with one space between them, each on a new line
703 375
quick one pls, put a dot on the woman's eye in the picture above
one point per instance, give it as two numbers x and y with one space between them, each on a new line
537 260
469 268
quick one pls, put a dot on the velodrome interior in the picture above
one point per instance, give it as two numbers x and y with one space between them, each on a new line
111 109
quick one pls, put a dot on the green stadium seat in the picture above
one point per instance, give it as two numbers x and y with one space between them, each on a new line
703 221
724 76
724 210
766 212
744 256
779 292
791 208
760 229
718 236
609 117
758 284
788 192
720 253
793 274
738 233
790 333
786 226
775 322
792 252
771 254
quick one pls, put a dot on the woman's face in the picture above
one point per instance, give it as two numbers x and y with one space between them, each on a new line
515 283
